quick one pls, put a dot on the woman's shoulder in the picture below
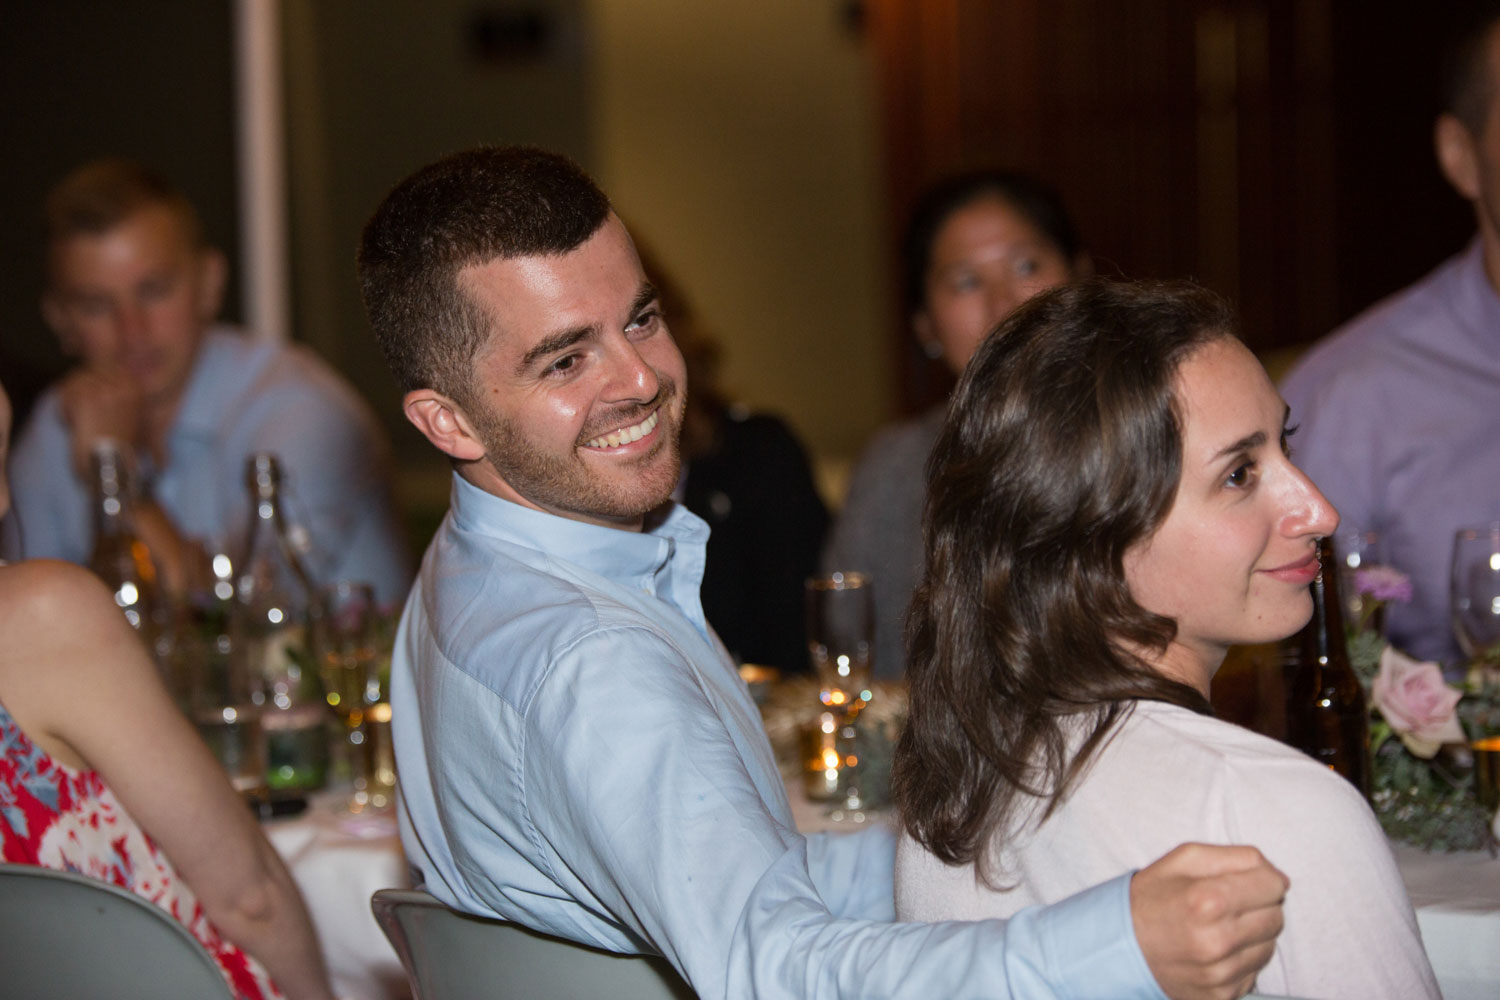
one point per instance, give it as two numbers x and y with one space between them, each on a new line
36 589
47 604
894 460
907 439
1263 781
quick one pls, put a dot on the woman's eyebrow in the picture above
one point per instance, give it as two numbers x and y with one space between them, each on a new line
1245 443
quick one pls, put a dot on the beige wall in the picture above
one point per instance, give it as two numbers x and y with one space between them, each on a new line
736 139
739 141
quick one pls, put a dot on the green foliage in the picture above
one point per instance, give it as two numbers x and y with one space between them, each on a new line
1428 803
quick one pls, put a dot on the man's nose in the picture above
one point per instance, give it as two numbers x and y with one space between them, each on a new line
631 376
130 322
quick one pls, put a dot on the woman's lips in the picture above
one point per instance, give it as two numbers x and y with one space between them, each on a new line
1301 572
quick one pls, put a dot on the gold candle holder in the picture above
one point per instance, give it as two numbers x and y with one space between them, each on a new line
821 762
1487 771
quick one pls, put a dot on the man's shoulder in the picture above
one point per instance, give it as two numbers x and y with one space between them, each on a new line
508 615
242 371
1374 340
43 433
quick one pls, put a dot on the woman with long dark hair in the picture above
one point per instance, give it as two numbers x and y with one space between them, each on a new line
1111 505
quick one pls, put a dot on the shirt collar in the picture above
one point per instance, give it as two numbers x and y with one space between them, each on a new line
1474 299
666 559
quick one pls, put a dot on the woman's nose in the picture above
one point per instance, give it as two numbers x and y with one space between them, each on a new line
1309 511
1003 298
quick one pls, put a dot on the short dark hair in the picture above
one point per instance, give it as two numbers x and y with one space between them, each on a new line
1468 86
1062 449
1035 201
98 196
494 202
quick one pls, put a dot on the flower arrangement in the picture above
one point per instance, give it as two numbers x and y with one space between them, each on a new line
1421 783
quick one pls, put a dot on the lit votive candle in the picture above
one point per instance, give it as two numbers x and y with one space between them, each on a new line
1487 771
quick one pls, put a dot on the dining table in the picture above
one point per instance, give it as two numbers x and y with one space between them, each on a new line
338 859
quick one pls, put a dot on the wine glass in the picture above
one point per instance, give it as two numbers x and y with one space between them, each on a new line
840 635
1355 548
1475 593
347 657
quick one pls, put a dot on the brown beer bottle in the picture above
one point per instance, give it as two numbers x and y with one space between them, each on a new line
1326 714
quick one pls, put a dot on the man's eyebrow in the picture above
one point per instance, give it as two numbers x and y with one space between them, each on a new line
565 339
644 297
560 341
1246 443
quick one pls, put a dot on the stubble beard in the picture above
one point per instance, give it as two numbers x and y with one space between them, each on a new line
564 482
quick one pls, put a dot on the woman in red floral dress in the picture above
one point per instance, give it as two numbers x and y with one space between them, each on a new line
101 775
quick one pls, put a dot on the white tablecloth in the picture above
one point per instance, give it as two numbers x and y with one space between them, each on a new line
1457 899
338 861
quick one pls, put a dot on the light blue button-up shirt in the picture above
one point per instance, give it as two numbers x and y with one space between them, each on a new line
243 396
578 754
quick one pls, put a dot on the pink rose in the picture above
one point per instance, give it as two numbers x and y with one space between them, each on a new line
1417 702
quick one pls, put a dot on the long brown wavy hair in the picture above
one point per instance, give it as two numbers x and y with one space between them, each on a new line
1061 450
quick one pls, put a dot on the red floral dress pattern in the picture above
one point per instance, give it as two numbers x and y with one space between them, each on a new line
54 816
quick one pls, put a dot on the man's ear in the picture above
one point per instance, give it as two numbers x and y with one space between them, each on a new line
442 422
1457 156
213 271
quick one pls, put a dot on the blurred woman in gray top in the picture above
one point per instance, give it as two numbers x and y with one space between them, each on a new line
978 245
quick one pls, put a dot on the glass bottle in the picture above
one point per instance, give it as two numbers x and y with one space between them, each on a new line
1326 715
119 557
269 624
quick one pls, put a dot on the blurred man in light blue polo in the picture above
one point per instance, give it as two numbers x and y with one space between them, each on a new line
132 293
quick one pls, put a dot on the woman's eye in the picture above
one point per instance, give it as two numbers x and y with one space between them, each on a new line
1027 266
1242 476
964 282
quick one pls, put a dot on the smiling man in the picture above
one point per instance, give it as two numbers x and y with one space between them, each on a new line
576 750
132 293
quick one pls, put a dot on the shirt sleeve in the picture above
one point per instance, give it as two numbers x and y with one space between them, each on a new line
644 808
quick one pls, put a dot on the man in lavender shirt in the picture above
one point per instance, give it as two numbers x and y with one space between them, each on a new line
1399 410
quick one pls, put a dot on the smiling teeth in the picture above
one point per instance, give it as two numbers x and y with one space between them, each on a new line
625 435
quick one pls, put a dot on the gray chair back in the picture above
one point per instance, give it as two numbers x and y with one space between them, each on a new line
454 956
69 936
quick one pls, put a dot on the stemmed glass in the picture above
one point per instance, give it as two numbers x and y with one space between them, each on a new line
347 656
840 634
1475 593
1356 549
